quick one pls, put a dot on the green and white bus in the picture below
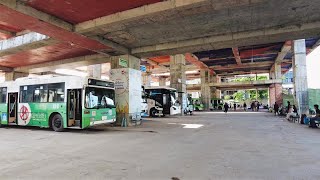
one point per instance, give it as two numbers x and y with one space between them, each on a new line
57 102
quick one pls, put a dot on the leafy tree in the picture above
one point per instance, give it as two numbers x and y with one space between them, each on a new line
239 96
246 79
227 97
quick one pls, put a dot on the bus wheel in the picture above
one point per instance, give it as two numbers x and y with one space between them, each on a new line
57 123
153 112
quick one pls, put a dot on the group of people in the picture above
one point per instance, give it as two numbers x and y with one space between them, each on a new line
291 110
255 106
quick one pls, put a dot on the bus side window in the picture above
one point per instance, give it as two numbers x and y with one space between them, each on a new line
56 92
51 95
40 93
26 94
3 94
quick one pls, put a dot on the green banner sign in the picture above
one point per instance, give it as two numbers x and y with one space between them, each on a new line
123 62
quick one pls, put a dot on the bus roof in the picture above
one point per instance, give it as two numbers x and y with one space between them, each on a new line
72 82
160 87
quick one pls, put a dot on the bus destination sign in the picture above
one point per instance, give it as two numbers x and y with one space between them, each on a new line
95 82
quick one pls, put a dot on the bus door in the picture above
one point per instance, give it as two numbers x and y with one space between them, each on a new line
166 103
74 107
12 107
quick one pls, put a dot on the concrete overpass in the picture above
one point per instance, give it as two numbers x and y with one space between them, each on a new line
153 29
220 37
237 85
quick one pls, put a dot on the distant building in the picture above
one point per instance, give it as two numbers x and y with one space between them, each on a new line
287 82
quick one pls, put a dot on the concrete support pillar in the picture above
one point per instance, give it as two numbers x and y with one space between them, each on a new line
125 61
125 72
215 93
278 93
275 90
278 71
272 95
217 79
205 88
300 76
275 94
94 71
146 79
12 76
162 81
178 78
272 75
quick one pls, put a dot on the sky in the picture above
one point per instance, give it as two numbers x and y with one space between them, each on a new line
313 69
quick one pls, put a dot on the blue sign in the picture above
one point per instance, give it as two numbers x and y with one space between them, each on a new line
4 117
143 68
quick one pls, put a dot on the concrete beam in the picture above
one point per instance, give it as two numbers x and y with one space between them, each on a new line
261 36
63 26
154 63
161 11
286 48
242 66
119 49
20 7
15 12
193 87
25 42
247 83
237 55
144 12
195 61
65 63
6 69
243 72
7 32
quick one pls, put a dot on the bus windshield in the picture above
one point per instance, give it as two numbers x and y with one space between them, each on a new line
99 98
173 95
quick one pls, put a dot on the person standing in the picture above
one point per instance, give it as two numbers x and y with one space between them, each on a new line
245 106
258 106
276 108
255 105
295 110
234 106
226 107
288 107
252 106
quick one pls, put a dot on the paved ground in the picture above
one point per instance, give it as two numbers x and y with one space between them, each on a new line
232 146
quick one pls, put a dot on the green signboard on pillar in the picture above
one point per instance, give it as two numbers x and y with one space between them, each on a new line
123 62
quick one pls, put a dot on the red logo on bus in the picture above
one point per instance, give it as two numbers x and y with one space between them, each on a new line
24 113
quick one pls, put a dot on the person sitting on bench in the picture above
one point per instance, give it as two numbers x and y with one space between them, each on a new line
313 120
290 112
